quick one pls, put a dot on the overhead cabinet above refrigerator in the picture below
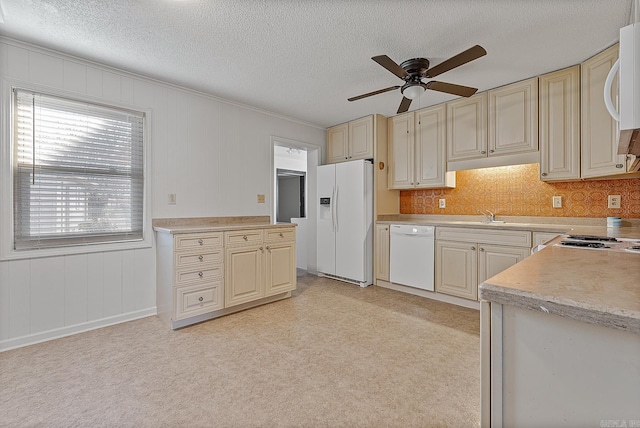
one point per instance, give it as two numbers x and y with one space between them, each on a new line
345 221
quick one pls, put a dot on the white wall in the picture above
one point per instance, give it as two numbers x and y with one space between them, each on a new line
215 155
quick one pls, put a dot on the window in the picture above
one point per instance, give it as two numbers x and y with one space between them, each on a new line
78 174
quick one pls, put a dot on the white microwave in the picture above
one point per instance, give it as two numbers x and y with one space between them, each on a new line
628 68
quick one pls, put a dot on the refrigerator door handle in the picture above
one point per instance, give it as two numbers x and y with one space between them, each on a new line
333 206
337 190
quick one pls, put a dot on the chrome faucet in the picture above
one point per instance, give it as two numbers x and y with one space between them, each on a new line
490 218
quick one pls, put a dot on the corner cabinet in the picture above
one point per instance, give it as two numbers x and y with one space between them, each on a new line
351 141
599 130
417 157
205 275
467 257
560 125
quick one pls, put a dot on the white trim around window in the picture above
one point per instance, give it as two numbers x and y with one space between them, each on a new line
7 172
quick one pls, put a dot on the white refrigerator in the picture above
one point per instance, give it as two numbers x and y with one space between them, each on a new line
345 221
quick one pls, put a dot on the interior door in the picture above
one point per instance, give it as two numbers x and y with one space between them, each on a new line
350 225
326 241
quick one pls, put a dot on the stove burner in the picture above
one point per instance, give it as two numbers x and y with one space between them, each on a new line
592 238
584 244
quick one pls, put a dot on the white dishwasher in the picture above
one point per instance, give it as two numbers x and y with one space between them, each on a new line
412 255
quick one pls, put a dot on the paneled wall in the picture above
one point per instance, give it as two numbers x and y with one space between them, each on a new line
517 191
214 155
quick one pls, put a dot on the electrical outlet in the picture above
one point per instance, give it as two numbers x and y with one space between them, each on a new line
442 203
557 202
261 199
614 201
172 198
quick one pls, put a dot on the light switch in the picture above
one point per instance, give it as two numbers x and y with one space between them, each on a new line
172 198
557 202
442 203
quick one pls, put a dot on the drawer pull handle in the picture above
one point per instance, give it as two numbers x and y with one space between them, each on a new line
245 237
200 241
281 235
619 165
200 258
201 298
200 274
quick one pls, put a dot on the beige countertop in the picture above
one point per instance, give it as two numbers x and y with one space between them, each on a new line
595 286
213 224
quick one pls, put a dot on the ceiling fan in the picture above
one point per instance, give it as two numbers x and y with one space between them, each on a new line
415 71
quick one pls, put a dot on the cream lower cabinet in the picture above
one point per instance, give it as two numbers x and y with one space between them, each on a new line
466 257
258 264
204 275
382 252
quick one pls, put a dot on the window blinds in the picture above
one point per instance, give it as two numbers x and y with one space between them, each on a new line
78 172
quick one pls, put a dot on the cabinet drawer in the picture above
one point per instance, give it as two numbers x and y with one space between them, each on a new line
198 240
202 258
516 238
198 276
280 235
198 299
243 237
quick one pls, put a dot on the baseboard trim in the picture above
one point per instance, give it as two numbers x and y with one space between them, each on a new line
32 339
429 294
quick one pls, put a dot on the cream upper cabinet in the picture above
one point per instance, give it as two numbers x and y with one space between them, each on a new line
559 112
350 141
382 252
417 150
337 143
467 128
513 118
598 131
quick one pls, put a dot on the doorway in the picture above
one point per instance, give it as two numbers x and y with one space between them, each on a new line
291 191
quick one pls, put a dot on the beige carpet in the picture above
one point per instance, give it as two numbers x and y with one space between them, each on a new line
332 355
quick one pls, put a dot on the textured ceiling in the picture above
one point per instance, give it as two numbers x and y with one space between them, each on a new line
304 58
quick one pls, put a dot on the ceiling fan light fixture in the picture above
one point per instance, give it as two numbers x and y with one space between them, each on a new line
413 91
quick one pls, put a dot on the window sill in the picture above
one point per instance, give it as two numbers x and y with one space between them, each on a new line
76 249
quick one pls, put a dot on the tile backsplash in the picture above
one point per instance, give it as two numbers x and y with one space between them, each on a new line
517 191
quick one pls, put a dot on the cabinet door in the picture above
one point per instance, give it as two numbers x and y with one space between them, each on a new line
382 252
467 128
401 151
513 118
493 259
361 138
430 158
243 274
599 133
560 125
280 262
457 269
338 143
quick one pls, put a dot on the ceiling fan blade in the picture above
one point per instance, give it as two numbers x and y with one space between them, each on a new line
457 60
450 88
381 91
404 105
390 65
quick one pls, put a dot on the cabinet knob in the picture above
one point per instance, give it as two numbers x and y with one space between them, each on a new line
544 174
245 237
281 235
200 257
491 151
201 298
473 248
619 165
418 183
200 274
267 247
484 152
481 249
346 157
261 249
200 241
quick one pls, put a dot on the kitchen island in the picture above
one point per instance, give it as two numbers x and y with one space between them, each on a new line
560 338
